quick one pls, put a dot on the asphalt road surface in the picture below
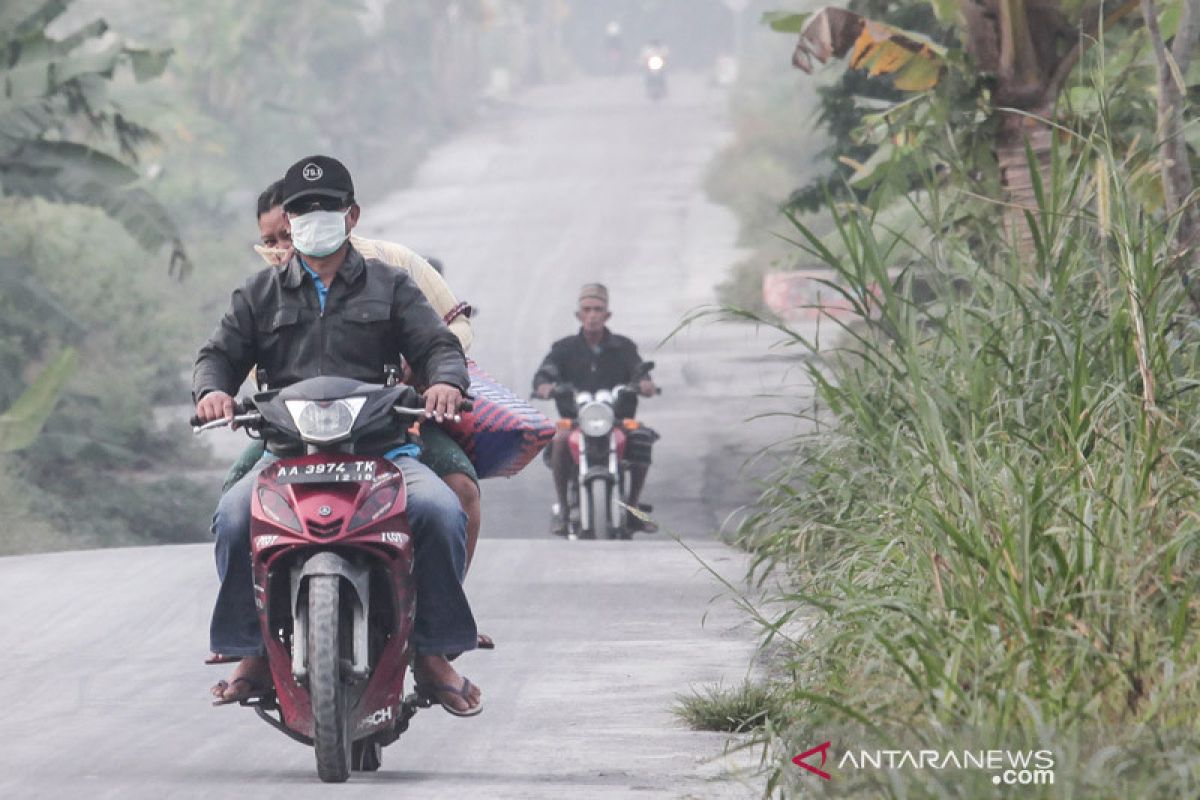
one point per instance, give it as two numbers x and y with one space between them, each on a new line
105 695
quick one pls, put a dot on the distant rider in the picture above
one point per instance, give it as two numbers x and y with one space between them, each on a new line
592 360
654 48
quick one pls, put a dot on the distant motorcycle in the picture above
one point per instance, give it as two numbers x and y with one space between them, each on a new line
600 426
656 76
332 555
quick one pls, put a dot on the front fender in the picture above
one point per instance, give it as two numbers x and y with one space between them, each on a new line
358 577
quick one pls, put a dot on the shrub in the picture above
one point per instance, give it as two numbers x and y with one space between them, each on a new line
991 534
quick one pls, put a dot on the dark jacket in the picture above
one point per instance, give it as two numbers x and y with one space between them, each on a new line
373 314
572 360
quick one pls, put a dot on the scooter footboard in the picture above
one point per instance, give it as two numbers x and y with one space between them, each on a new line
359 578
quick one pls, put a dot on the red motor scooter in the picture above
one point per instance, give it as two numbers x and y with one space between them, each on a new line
333 557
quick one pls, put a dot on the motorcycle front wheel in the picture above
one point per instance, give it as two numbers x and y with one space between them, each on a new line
600 521
588 515
331 734
621 524
575 522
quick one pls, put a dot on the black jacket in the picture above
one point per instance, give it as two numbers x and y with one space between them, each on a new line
572 360
373 314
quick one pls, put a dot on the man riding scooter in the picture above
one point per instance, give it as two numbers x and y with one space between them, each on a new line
330 311
592 360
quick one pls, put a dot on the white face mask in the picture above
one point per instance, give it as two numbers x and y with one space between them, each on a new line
319 233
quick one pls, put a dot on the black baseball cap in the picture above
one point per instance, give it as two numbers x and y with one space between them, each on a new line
319 178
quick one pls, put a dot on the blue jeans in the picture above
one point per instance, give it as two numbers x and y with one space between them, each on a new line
444 623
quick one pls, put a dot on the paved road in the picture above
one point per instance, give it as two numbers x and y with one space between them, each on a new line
105 695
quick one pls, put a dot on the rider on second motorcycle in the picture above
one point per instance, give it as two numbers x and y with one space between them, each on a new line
592 360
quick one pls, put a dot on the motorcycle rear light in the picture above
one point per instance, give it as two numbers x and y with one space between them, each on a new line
276 506
377 504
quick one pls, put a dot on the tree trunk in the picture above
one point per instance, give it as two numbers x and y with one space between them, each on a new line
1016 172
1004 42
1174 161
1016 39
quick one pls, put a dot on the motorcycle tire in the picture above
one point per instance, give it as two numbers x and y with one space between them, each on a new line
574 523
327 690
587 519
621 526
611 523
366 756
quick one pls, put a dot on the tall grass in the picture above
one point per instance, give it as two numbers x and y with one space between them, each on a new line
992 537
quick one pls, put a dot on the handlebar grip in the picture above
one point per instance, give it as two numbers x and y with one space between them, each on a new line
240 407
464 405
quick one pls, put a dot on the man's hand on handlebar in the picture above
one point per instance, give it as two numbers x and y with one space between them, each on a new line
544 391
646 387
442 401
215 405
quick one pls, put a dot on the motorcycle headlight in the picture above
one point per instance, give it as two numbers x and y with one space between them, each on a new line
656 63
326 420
595 419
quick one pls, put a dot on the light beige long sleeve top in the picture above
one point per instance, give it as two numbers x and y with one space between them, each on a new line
431 284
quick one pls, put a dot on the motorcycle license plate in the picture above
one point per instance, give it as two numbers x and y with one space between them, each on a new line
326 472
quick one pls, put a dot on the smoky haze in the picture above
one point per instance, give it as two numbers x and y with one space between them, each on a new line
376 82
570 172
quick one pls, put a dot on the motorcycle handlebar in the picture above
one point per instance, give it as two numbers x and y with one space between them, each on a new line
239 409
564 389
238 419
243 417
464 407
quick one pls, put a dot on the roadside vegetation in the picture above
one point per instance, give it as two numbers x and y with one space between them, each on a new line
750 706
989 538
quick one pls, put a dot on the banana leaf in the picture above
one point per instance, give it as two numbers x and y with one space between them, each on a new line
21 424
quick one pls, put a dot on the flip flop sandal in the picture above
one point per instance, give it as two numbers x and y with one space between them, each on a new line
252 691
218 658
434 695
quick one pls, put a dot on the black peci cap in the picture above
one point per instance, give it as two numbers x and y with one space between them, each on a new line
317 177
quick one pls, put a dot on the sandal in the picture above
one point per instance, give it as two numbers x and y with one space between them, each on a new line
219 658
252 691
434 694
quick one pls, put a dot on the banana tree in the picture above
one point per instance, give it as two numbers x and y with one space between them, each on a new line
63 139
1028 48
